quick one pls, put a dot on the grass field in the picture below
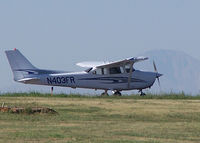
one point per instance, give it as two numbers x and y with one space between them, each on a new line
130 119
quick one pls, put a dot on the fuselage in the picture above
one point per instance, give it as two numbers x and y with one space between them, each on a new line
139 80
116 76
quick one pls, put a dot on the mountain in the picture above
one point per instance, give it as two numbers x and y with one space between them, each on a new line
181 71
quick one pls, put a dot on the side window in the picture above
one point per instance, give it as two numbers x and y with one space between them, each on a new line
105 70
98 71
115 70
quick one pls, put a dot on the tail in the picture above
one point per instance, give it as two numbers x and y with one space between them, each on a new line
19 64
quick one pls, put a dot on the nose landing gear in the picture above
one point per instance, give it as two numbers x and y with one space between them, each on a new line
142 93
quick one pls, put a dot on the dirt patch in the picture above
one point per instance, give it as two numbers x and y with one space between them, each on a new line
27 110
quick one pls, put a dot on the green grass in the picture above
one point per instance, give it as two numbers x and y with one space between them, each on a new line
85 119
148 96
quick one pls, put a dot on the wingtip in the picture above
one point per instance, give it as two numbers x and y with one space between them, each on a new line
15 49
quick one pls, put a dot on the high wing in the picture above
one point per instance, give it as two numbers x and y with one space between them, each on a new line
123 62
111 64
91 64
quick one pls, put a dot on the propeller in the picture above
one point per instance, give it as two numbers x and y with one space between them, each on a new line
157 74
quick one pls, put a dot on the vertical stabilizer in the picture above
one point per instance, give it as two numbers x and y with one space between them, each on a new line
18 63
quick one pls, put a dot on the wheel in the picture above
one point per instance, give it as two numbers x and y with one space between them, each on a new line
142 94
104 93
117 93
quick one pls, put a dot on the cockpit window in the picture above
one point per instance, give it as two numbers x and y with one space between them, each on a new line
115 70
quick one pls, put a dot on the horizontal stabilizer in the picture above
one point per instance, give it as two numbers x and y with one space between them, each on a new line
29 80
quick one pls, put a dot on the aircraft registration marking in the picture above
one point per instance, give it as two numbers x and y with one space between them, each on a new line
60 80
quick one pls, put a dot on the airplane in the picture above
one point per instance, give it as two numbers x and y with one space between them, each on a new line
115 76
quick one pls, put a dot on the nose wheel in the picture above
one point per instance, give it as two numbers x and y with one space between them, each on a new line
142 93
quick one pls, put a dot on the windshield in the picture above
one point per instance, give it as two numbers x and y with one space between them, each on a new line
127 68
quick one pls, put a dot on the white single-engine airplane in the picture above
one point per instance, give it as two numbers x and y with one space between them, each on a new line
114 76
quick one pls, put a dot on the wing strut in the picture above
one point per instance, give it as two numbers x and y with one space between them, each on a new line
130 74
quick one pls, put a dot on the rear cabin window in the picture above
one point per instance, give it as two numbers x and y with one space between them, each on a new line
100 71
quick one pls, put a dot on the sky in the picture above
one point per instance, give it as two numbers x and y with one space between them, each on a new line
56 34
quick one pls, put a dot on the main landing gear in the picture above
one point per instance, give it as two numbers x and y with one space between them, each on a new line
105 93
142 93
117 93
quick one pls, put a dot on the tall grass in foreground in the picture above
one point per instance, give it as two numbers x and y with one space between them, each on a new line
133 96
